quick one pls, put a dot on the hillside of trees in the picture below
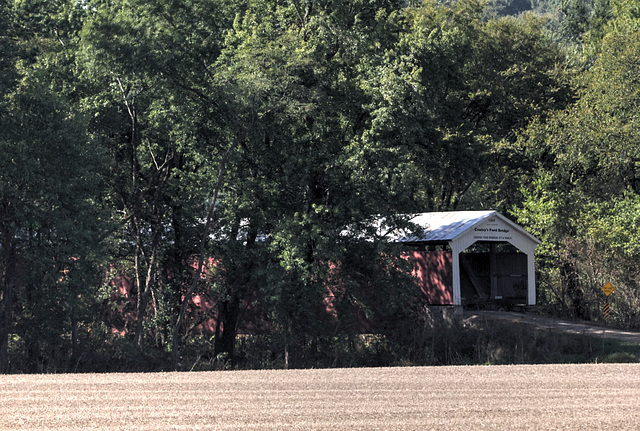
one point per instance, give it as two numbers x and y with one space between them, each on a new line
146 139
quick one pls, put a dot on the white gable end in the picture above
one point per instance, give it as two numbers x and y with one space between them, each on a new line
496 228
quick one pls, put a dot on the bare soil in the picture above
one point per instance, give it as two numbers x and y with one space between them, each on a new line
523 397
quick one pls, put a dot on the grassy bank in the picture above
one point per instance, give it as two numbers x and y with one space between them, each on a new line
434 343
430 342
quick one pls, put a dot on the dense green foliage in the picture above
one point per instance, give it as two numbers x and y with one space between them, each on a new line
238 151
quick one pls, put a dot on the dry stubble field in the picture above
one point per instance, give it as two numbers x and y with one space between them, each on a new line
545 397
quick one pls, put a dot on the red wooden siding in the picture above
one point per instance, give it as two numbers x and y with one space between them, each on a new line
433 269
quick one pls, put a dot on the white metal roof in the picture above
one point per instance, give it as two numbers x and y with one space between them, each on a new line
447 226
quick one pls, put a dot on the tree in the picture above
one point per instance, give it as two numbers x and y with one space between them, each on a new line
290 185
148 89
49 231
7 83
586 161
49 219
448 97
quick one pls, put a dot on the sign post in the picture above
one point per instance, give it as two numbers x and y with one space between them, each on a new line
607 289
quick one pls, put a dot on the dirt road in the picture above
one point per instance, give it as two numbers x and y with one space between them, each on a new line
530 397
568 326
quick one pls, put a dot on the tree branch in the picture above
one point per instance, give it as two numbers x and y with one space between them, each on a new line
203 246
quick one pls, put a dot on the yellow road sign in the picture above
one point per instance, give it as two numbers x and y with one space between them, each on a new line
607 289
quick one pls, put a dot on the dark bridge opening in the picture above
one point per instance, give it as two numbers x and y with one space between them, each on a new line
493 273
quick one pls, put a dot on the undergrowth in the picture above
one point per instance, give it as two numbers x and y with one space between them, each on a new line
427 342
439 342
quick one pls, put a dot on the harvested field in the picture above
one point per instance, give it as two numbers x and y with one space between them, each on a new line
533 397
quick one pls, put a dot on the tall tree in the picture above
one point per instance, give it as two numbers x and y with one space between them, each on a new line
146 68
7 247
448 97
49 220
291 184
586 161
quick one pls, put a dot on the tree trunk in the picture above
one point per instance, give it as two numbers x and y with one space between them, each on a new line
201 258
230 312
5 321
144 292
226 338
6 280
575 300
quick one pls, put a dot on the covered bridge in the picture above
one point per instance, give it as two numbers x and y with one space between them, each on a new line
472 258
